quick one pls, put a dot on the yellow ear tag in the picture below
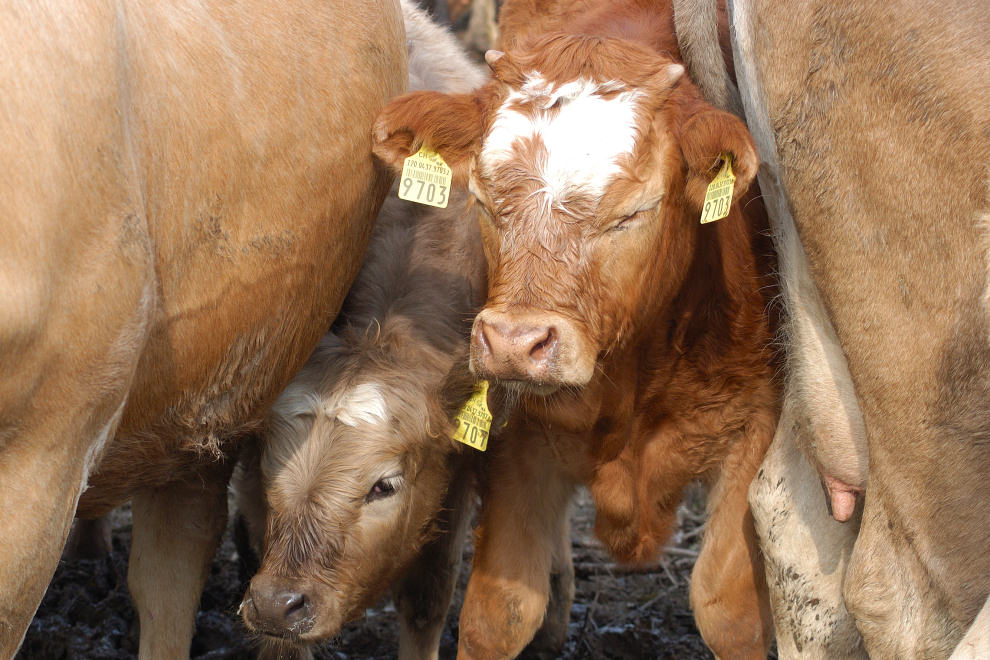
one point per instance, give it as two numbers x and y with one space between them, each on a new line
425 179
475 420
719 194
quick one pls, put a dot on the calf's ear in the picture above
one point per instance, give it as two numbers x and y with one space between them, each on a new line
704 137
450 124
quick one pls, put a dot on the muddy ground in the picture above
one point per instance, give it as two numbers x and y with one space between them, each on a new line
618 613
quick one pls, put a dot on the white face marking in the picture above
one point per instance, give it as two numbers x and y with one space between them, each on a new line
584 139
362 403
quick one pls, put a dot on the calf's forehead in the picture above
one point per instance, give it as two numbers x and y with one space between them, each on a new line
569 139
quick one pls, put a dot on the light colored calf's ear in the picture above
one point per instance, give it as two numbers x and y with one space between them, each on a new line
450 124
492 57
668 76
704 137
503 68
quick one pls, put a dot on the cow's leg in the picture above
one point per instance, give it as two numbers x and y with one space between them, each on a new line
424 596
89 538
56 416
728 584
896 605
552 635
41 477
175 535
482 29
522 513
249 502
805 552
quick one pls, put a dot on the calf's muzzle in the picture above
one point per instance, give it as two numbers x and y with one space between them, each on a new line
539 348
277 607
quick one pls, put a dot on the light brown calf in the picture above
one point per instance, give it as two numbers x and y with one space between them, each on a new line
633 337
188 189
358 472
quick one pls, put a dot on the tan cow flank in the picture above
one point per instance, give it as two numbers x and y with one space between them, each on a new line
872 118
188 190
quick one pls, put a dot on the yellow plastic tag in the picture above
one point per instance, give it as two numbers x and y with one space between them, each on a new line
425 179
719 194
475 420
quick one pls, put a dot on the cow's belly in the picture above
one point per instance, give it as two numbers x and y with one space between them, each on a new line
260 192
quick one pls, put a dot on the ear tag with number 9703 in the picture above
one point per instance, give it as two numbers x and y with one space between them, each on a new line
718 197
425 179
474 421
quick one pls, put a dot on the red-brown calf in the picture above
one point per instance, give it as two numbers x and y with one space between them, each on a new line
634 337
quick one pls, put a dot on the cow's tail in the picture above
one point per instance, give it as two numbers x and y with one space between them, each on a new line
696 24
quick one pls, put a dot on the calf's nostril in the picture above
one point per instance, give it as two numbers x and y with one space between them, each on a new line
276 611
542 347
295 608
293 603
484 344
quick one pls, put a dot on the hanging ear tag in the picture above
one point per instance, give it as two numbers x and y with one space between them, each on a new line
719 194
425 179
475 420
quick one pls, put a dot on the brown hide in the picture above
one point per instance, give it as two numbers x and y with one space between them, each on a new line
662 317
869 118
255 260
881 128
188 191
648 22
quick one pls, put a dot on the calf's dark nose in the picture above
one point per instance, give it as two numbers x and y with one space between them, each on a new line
277 609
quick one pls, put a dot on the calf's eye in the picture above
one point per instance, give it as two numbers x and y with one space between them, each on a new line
384 487
621 224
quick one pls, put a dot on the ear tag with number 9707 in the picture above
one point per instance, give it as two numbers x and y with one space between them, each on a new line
718 197
474 421
425 179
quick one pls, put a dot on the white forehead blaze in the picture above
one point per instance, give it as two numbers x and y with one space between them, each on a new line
584 138
362 403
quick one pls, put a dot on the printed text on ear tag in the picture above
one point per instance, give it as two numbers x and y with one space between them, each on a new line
719 194
425 179
475 420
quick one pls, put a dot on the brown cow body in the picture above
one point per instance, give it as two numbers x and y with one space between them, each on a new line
189 189
633 338
869 117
